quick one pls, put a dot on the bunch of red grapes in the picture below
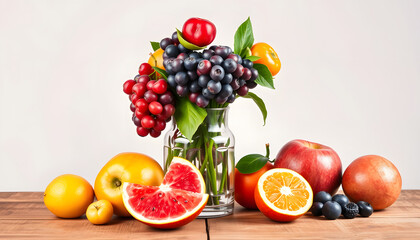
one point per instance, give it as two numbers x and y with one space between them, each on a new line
152 103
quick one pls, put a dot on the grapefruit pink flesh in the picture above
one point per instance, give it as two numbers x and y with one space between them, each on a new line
178 201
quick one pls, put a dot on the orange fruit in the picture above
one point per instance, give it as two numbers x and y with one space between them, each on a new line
177 201
245 185
68 196
268 57
126 167
156 59
283 195
100 212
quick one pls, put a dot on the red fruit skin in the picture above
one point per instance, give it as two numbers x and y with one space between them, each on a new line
128 86
318 164
140 114
143 79
142 132
155 108
198 31
142 106
373 179
150 84
169 110
154 133
245 185
150 96
193 97
139 89
145 69
148 122
134 98
160 125
160 86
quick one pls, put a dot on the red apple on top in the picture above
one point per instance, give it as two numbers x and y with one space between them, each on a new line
198 31
318 164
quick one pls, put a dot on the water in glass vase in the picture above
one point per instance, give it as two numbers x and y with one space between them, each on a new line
211 150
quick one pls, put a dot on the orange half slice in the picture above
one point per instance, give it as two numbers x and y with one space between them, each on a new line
283 195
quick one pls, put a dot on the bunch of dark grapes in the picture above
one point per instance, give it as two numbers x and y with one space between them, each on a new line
214 74
152 103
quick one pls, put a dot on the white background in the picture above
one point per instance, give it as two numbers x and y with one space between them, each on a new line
350 79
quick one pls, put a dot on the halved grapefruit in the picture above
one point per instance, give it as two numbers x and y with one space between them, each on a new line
283 195
177 201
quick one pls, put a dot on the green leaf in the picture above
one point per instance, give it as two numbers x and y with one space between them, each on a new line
253 58
155 45
244 38
260 103
251 163
264 78
247 52
187 44
188 116
161 72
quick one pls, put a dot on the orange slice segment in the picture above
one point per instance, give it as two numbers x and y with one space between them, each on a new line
283 195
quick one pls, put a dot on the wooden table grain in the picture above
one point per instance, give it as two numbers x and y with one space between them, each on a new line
23 215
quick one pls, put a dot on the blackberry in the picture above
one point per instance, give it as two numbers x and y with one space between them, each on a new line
350 210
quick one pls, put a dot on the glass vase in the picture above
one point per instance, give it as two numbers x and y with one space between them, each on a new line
211 150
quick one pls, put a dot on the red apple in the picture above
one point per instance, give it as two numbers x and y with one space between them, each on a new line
373 179
198 31
318 164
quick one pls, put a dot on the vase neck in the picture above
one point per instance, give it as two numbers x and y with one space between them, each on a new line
217 117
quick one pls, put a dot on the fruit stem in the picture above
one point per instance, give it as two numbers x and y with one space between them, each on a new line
116 182
267 150
211 170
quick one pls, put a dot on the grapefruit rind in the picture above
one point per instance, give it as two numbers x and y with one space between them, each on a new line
261 192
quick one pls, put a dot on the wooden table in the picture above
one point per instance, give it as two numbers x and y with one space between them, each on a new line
24 216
